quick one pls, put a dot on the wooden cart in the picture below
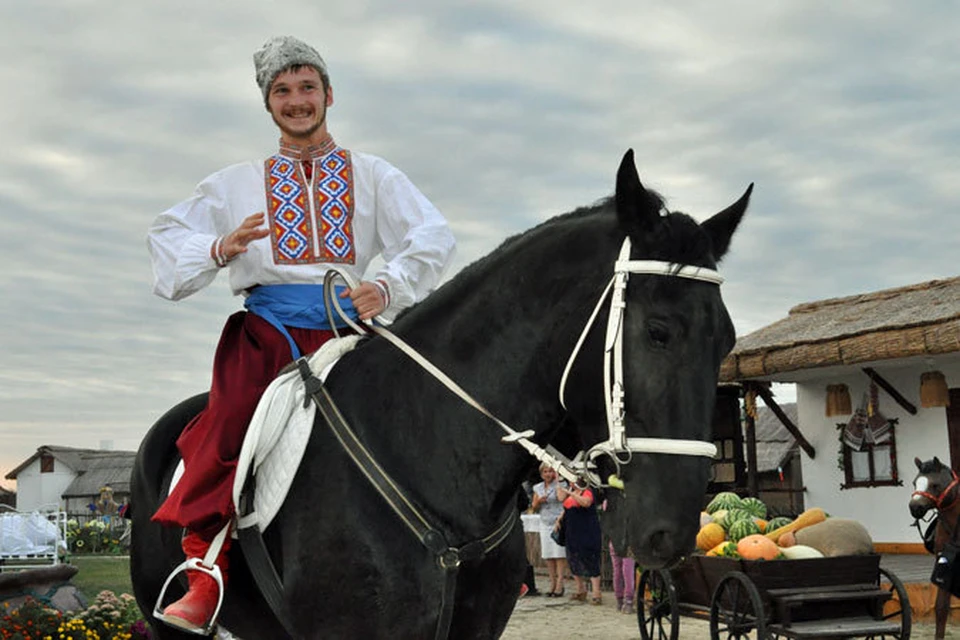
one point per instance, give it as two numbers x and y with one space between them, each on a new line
841 597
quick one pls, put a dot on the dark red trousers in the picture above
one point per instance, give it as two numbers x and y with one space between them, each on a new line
250 354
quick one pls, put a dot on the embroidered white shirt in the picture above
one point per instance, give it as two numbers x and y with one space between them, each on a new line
389 217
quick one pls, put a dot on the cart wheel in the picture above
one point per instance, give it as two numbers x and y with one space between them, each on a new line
898 608
657 613
736 610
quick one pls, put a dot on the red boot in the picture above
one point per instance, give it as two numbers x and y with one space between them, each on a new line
194 612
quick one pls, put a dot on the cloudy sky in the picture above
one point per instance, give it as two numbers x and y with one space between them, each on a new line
504 113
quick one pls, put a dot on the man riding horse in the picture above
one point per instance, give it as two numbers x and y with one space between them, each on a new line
278 225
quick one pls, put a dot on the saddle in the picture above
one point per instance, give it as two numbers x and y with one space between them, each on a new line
277 437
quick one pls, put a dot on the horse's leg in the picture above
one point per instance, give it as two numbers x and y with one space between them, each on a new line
486 595
943 612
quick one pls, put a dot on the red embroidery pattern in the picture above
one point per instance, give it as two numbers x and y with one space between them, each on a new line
292 221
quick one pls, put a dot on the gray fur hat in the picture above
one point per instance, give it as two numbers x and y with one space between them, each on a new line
279 54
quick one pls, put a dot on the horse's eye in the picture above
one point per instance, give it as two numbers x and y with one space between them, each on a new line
659 333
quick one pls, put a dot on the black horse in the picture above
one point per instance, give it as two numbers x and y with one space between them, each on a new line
503 328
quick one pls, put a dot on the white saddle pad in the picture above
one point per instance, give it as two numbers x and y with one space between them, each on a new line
277 436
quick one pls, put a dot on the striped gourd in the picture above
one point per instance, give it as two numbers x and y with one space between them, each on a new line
741 529
724 500
755 506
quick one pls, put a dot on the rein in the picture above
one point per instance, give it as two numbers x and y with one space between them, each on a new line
617 443
448 557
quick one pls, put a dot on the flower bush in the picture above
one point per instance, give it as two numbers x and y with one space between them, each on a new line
109 618
94 537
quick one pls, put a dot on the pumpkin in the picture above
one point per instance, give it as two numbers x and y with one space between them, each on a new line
761 523
757 547
710 535
811 516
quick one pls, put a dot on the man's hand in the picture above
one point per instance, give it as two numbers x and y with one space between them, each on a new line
366 299
236 242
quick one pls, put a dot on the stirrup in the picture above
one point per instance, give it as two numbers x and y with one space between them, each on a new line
193 564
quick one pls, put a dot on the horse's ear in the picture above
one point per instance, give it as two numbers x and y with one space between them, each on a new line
720 227
917 462
637 210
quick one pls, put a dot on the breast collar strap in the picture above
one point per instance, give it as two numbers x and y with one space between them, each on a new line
618 444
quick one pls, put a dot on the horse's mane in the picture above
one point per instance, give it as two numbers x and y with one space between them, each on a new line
677 238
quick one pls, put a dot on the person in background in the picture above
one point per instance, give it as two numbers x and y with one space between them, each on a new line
529 586
547 503
584 541
624 580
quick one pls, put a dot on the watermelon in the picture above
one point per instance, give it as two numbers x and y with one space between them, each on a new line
780 521
741 529
723 500
755 506
735 515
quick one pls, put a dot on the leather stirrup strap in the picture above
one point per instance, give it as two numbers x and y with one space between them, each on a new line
258 559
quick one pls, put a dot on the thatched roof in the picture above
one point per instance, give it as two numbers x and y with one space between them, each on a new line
917 320
94 468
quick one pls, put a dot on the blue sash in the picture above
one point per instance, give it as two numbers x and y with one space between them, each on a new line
295 305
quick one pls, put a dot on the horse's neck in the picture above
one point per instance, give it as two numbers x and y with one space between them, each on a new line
504 338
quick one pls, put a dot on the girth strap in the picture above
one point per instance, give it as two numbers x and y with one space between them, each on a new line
448 558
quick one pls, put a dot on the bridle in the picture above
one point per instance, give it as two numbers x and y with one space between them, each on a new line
618 443
939 501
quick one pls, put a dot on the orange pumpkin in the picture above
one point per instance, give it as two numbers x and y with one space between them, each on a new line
757 547
761 523
711 534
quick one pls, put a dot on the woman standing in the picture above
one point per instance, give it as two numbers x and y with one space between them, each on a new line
583 539
547 503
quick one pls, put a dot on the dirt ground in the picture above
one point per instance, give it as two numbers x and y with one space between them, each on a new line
541 618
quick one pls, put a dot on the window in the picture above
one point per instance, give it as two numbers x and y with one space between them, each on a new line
725 463
46 463
873 464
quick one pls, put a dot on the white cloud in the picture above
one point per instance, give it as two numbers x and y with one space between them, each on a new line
504 113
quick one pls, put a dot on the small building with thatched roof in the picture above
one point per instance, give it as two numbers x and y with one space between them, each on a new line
71 478
878 384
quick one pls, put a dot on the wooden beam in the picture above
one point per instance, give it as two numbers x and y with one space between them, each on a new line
889 388
753 483
768 400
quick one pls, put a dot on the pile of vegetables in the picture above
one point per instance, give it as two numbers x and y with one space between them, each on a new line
736 527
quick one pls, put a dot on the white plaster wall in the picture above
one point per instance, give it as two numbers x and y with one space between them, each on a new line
882 510
36 490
